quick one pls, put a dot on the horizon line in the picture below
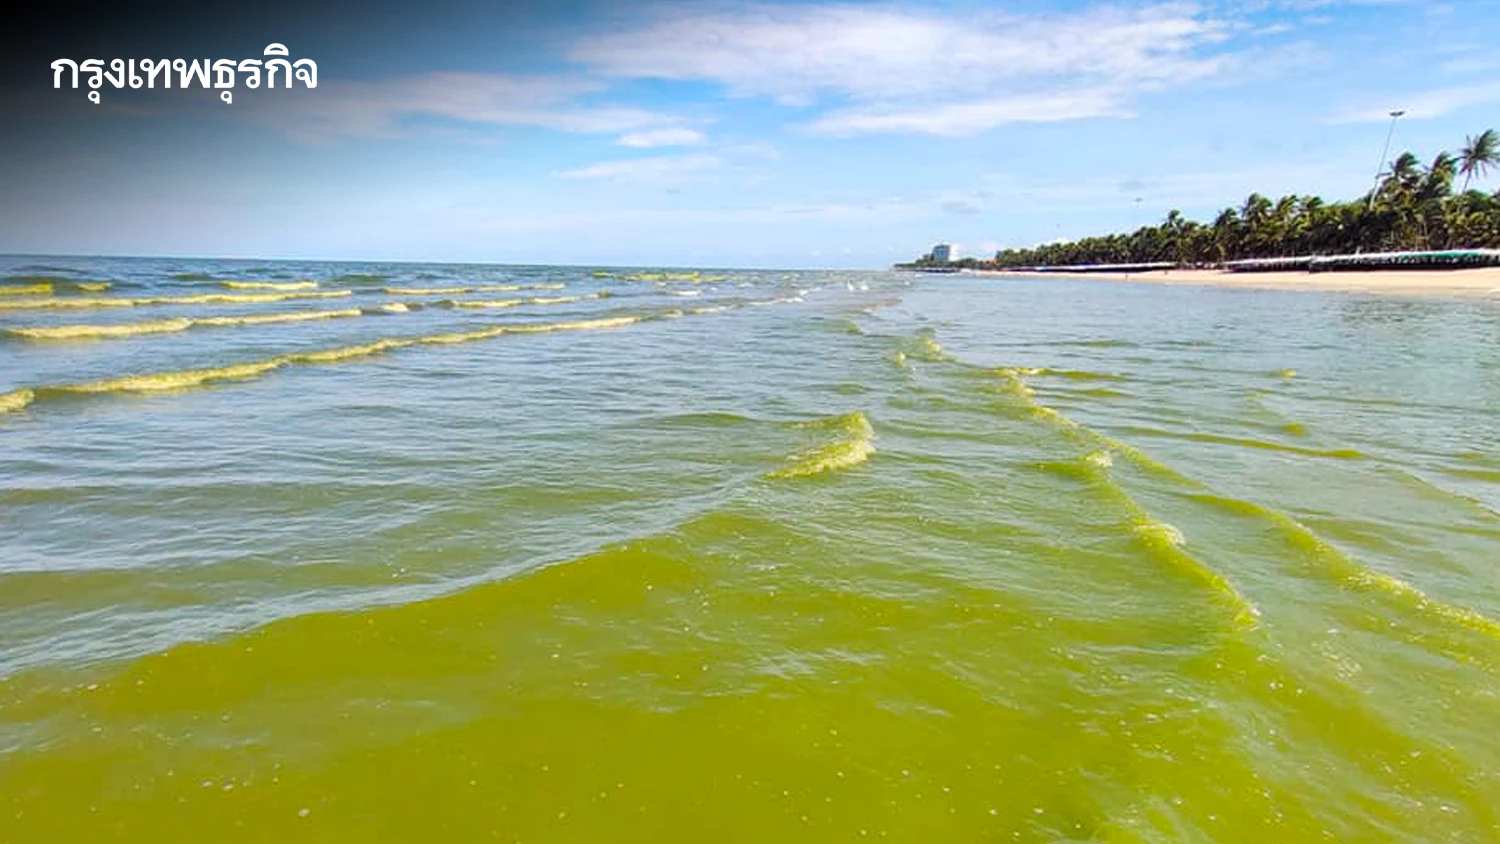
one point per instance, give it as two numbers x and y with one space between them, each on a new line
432 262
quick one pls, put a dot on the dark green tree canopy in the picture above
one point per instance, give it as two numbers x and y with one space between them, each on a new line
1412 207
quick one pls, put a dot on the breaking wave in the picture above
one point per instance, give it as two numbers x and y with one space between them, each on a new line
183 379
164 326
1350 572
15 400
269 285
853 445
143 301
1164 542
454 291
511 303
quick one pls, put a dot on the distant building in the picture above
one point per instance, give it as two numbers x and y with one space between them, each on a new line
942 253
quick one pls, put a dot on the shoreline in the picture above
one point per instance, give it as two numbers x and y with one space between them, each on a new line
1479 282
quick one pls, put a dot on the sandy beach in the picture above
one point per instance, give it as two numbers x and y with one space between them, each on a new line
1475 282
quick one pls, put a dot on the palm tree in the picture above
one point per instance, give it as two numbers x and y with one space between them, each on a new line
1406 172
1255 214
1310 223
1478 155
1226 243
1432 190
1437 181
1411 206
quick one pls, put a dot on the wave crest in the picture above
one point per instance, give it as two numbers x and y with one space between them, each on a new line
202 299
163 326
269 285
854 445
15 400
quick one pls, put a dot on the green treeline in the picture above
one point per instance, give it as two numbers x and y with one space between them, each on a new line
1414 207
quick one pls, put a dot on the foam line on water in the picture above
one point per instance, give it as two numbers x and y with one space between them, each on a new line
1077 375
189 378
163 381
269 285
1164 542
1344 568
477 288
268 319
1245 442
99 332
1349 571
184 379
143 301
531 300
164 326
1433 487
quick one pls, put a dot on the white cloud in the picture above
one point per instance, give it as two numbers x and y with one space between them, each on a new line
384 108
888 64
871 53
751 151
741 163
1339 175
1469 59
788 215
675 137
972 118
1252 6
1424 104
1473 65
660 169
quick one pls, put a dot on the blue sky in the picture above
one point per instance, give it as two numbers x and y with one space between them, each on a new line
744 134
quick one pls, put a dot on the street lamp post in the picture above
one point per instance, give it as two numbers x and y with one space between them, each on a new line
1380 165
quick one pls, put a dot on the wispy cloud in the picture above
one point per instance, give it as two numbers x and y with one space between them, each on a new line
961 206
672 137
971 118
659 169
843 212
1250 6
387 108
889 64
1163 191
742 163
1468 58
881 68
794 54
1434 102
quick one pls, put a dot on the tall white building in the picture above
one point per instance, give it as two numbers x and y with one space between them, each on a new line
942 253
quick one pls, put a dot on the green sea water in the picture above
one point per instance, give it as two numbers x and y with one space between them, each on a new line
550 554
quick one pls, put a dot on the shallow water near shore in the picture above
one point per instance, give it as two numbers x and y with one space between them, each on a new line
716 555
